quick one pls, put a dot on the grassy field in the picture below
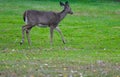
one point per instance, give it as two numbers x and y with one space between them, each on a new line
92 46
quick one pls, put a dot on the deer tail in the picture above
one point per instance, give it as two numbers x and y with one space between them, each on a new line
25 17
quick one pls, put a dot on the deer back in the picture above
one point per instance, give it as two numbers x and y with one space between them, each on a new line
33 17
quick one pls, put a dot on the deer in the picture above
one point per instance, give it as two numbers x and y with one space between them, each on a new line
44 19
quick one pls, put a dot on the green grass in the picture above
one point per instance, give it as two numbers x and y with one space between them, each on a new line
92 46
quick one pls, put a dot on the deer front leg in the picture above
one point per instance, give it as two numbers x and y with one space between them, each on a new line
51 34
57 28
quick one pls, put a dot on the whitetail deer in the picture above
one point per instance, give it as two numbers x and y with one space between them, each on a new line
44 19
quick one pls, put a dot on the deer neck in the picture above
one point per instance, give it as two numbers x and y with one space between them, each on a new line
63 13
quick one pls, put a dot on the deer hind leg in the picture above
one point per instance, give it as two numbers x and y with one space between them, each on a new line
57 28
23 34
51 34
28 28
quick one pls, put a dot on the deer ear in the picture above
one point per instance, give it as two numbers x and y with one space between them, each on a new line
66 2
61 3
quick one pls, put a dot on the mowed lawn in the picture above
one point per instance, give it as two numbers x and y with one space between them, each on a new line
92 37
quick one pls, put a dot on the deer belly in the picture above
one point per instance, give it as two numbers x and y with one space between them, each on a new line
41 25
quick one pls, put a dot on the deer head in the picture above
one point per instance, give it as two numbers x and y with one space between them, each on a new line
66 6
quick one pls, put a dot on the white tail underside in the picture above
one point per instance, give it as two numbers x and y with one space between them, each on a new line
26 20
